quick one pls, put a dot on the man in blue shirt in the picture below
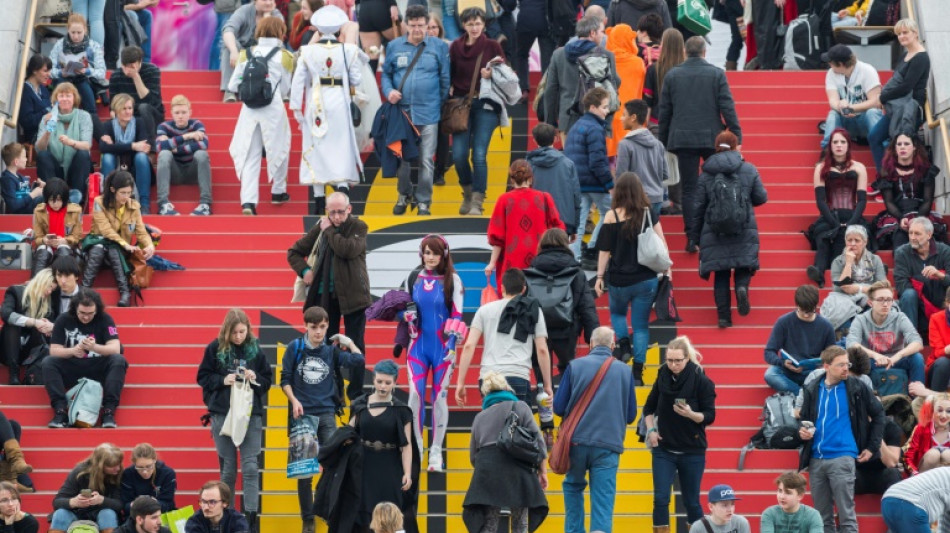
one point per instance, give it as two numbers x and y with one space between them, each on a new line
420 96
842 422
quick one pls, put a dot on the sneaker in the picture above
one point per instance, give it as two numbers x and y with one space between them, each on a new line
248 209
435 459
60 419
439 180
423 210
108 419
309 526
168 208
278 199
229 97
725 323
202 210
401 205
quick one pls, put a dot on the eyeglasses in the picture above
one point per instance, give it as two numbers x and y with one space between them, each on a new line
841 365
7 501
676 361
145 468
209 503
885 301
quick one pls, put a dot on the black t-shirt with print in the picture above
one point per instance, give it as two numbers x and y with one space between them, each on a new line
68 331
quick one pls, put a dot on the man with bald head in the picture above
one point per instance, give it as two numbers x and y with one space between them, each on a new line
337 280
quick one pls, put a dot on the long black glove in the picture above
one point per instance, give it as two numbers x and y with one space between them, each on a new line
857 216
822 200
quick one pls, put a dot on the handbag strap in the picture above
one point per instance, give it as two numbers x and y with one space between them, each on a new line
647 217
415 59
581 406
478 68
706 525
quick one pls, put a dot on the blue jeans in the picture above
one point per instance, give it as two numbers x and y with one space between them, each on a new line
845 21
910 305
901 516
639 299
449 20
106 518
689 467
912 364
783 380
859 126
520 386
878 138
602 201
474 142
92 11
141 169
602 464
145 20
214 54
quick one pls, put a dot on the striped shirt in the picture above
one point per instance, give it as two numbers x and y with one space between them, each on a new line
930 491
183 149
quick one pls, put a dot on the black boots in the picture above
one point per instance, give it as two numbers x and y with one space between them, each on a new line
121 279
723 299
41 259
14 373
318 204
94 259
623 351
253 526
638 374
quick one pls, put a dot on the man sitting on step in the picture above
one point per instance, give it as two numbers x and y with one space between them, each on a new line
216 514
721 517
791 515
796 341
85 344
145 517
920 272
182 146
854 90
143 82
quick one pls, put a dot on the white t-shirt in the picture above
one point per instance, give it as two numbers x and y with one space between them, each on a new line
854 88
502 353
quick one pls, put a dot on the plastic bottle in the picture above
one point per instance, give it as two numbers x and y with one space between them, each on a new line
546 414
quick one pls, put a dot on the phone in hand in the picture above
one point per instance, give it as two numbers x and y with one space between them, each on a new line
86 493
807 424
680 401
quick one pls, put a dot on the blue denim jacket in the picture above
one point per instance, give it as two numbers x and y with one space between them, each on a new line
428 83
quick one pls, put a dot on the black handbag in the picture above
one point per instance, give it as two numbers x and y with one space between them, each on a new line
519 442
355 112
664 305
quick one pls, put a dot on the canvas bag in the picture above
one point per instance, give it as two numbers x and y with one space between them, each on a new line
303 448
239 416
651 251
301 288
84 401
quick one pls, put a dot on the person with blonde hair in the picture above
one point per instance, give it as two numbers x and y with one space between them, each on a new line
147 476
182 146
235 355
684 398
27 320
500 481
387 518
91 491
79 60
124 145
64 140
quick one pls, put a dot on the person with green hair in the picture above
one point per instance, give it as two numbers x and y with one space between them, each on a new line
236 355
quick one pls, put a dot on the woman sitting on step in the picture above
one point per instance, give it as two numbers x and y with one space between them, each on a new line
841 194
907 183
57 225
853 272
14 519
147 476
14 466
64 140
27 321
124 145
116 217
91 492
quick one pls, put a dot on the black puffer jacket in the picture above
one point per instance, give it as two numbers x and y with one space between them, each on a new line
554 260
719 252
629 12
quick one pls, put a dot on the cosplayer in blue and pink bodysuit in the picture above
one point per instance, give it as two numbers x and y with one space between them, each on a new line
432 349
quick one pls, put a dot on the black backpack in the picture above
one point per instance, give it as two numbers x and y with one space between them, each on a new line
255 89
554 293
779 429
804 43
728 208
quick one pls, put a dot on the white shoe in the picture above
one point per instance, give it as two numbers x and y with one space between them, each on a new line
435 459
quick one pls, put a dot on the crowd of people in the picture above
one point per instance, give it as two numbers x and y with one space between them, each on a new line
652 132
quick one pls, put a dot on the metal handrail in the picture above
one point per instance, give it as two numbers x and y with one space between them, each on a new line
932 123
21 72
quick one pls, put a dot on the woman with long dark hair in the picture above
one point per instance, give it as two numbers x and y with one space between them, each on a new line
99 473
35 101
841 194
736 252
236 356
631 286
116 217
437 291
672 53
907 183
147 476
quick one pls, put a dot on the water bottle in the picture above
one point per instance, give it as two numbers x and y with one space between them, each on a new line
51 123
546 414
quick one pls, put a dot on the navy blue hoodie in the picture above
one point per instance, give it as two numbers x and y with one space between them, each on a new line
161 486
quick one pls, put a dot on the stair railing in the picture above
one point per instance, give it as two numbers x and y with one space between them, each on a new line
11 121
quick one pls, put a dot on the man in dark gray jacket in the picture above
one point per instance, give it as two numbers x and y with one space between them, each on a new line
556 175
923 260
641 153
695 101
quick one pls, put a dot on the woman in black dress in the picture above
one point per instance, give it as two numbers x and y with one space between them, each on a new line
390 455
907 182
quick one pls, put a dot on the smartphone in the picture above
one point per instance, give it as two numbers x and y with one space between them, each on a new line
680 401
847 111
808 425
86 493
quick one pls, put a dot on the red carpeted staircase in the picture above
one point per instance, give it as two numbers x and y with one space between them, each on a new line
240 261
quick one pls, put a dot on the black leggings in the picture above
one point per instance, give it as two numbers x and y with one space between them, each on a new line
14 352
721 288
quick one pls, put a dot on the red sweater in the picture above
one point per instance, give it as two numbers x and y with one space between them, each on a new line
520 217
939 337
919 443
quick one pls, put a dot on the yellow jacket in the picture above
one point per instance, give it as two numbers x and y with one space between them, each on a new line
73 224
106 222
858 5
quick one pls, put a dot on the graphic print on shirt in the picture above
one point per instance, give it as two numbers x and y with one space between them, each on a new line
75 337
853 95
313 370
881 341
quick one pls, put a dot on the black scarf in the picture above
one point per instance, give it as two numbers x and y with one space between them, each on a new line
521 312
682 385
70 47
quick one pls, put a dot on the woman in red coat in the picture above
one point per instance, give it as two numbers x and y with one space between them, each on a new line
520 217
929 445
938 362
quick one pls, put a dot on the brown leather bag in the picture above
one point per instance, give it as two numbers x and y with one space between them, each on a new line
559 459
456 110
140 274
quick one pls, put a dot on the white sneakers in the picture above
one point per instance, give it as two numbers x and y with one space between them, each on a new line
435 459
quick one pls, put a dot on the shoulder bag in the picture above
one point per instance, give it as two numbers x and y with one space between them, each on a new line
455 110
560 458
519 442
651 250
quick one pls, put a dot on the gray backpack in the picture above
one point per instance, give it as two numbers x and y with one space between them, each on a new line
594 71
85 400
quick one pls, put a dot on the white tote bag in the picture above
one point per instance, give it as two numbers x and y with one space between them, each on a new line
239 416
651 250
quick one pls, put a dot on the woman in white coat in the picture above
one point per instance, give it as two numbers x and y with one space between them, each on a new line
264 127
320 100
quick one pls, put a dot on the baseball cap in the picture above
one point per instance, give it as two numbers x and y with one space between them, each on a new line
722 493
838 53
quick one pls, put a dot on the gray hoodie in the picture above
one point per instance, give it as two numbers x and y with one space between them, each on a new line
641 152
887 339
554 173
